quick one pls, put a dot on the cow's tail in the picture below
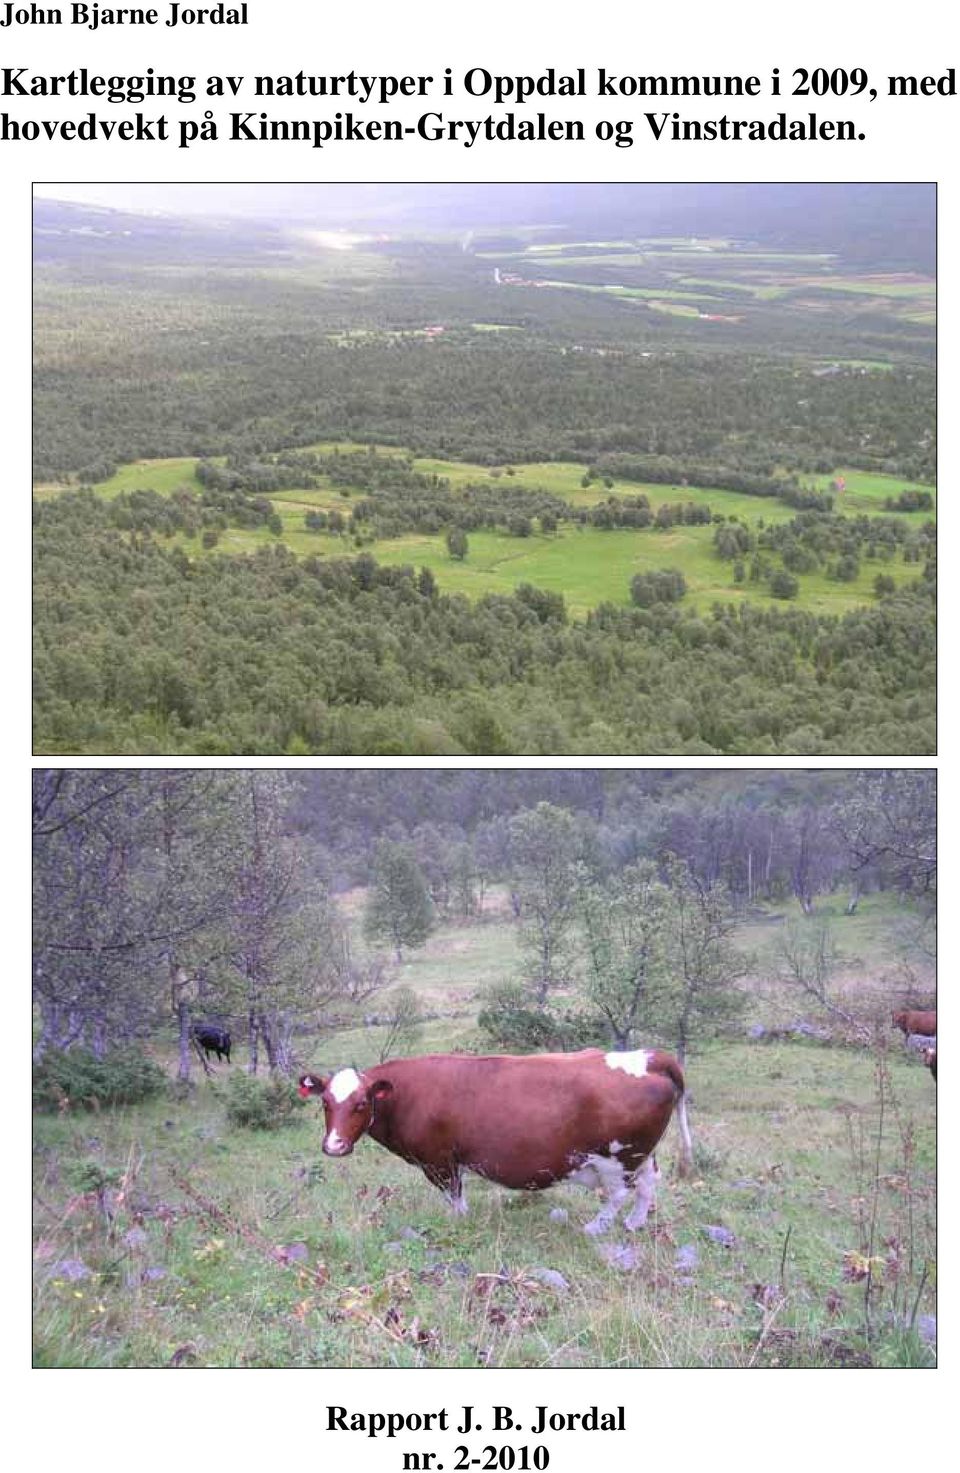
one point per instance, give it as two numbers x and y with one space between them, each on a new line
670 1068
667 1065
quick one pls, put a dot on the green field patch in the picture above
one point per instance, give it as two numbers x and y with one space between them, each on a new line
674 309
775 257
328 497
650 294
162 476
561 247
868 490
869 365
870 286
591 567
744 288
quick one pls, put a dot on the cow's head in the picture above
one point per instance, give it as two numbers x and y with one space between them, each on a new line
349 1101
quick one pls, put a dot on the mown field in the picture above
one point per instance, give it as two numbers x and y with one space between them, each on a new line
586 565
235 1248
721 280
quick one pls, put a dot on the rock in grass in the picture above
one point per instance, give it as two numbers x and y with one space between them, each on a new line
720 1235
620 1255
927 1328
687 1258
71 1269
550 1277
558 1214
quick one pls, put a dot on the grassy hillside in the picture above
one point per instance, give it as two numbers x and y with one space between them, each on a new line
232 1248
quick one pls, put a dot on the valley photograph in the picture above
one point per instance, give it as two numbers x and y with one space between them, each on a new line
447 470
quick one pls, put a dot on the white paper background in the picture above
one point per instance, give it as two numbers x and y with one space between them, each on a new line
719 1419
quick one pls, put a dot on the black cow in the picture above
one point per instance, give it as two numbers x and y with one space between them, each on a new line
212 1040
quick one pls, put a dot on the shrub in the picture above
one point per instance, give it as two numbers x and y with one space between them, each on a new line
546 605
261 1104
122 1077
846 569
783 584
732 540
665 585
511 1020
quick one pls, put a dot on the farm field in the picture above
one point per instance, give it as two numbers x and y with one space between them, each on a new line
238 1248
586 566
699 280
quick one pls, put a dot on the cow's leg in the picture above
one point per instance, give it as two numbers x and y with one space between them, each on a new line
645 1192
450 1181
608 1174
455 1195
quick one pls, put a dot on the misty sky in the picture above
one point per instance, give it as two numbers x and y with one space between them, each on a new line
177 199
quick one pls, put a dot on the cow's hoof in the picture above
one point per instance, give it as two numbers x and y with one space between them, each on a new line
598 1227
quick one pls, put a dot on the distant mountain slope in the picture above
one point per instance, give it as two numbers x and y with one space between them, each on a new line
64 231
882 226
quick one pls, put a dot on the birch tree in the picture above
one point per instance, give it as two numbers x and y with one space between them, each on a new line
701 992
624 923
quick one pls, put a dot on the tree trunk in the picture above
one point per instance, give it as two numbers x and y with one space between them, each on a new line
183 1042
59 1028
685 1166
275 1031
98 1038
253 1029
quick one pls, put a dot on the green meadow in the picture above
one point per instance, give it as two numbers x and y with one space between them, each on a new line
588 566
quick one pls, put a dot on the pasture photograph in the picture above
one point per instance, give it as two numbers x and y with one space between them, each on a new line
455 470
540 1068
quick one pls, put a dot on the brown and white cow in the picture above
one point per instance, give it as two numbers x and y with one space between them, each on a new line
929 1057
916 1022
526 1121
